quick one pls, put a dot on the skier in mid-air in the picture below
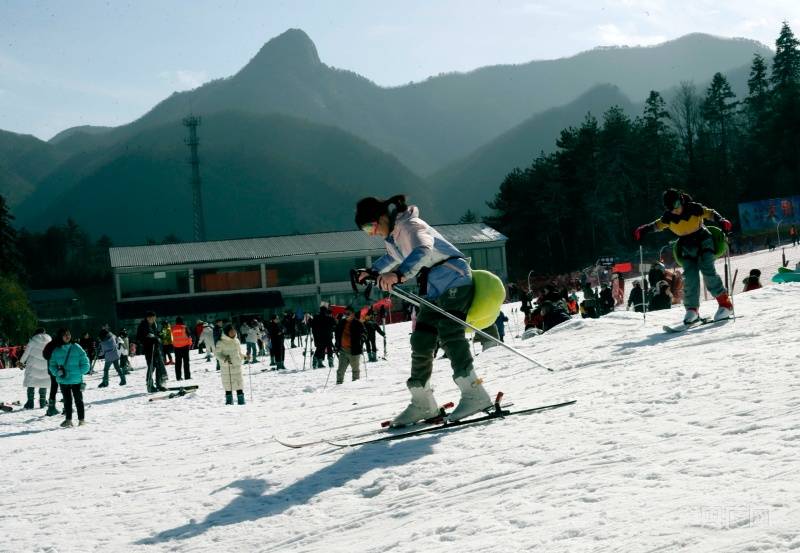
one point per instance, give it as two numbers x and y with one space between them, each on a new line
414 249
696 250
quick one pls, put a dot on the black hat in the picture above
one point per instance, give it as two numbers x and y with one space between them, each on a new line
755 273
671 199
369 210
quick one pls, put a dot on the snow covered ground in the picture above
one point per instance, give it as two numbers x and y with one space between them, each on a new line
687 441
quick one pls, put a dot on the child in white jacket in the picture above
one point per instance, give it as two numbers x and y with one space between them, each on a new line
229 354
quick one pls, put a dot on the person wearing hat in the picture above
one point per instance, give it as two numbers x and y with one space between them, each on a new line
752 281
685 218
414 249
349 338
636 297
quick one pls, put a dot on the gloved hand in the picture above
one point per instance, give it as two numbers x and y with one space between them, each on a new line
387 281
726 225
637 234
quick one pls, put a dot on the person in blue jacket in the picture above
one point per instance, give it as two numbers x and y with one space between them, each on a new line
68 363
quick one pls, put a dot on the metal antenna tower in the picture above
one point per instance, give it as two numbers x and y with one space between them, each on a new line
199 220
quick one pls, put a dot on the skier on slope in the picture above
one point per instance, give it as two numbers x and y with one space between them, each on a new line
414 249
684 218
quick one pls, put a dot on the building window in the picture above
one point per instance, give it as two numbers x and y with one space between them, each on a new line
308 303
159 283
338 270
290 274
227 278
495 260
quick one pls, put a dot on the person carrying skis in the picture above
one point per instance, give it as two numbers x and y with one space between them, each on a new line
148 334
684 218
414 249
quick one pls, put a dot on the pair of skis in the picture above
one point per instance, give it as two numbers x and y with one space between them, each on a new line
702 321
177 391
438 424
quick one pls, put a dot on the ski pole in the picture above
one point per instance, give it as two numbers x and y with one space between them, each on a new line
327 378
418 301
641 271
250 375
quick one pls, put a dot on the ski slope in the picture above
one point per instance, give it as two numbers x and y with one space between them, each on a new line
677 442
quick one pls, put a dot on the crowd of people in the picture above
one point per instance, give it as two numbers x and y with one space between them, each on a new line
57 363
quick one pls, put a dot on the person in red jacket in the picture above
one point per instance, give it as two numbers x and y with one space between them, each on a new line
752 282
182 343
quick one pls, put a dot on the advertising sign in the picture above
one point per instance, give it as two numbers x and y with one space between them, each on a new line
764 215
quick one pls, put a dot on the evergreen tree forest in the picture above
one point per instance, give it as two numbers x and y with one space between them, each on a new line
606 176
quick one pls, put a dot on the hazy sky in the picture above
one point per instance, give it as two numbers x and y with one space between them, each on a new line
77 62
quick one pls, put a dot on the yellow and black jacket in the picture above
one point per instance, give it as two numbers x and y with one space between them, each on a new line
689 222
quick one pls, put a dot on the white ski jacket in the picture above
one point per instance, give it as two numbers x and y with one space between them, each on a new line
414 245
36 373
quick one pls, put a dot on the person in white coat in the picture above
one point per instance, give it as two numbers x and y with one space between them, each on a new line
207 338
35 365
229 354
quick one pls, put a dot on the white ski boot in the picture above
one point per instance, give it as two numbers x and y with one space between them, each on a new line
423 406
692 316
725 310
474 397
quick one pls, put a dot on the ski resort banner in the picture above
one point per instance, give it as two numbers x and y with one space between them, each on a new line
765 215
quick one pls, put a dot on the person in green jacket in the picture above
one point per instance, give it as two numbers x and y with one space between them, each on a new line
68 363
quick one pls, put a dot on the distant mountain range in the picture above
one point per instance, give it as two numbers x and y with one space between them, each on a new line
443 141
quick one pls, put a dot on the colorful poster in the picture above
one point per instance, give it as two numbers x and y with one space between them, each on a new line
765 215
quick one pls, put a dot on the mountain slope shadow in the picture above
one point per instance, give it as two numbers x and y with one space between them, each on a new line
251 504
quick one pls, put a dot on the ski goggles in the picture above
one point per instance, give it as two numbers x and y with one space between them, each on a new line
370 228
677 204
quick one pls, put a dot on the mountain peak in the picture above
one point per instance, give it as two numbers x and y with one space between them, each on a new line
293 48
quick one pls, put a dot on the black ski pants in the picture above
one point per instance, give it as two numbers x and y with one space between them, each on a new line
278 350
182 361
69 392
53 388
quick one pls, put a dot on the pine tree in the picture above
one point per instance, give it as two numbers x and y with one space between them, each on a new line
469 217
9 255
754 161
785 128
786 63
718 110
655 146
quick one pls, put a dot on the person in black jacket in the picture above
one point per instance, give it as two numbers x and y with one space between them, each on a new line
148 336
322 326
662 299
636 297
349 334
372 329
552 314
277 349
290 326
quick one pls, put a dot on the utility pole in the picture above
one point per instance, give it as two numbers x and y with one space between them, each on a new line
199 220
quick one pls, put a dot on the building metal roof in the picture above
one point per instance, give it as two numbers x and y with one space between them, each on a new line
281 246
